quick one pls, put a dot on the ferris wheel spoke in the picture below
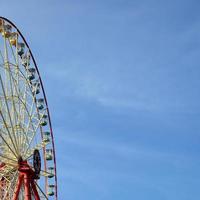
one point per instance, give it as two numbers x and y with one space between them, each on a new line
15 113
31 118
9 115
35 132
38 146
41 191
13 54
5 174
7 170
26 94
1 55
10 82
19 110
17 89
10 186
7 160
31 112
25 108
5 62
5 141
28 131
25 112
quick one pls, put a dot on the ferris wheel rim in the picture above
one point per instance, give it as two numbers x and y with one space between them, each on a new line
45 99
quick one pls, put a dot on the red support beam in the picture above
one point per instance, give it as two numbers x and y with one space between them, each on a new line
18 187
36 195
27 188
26 176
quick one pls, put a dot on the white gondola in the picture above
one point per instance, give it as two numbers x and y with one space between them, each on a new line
36 87
20 48
49 154
31 73
26 59
40 103
46 137
7 29
51 190
13 38
44 119
51 172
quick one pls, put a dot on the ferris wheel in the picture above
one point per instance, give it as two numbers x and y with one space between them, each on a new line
27 153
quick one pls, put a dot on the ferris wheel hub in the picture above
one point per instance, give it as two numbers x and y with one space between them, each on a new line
20 159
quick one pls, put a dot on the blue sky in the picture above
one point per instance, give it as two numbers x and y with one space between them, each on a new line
123 85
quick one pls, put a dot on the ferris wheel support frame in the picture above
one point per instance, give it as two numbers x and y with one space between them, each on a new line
26 176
